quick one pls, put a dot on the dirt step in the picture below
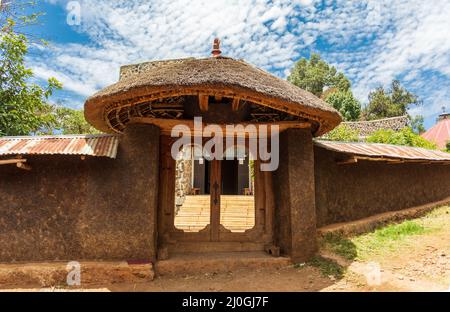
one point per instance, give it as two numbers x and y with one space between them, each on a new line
201 263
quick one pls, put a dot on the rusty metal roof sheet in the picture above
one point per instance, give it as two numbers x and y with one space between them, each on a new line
91 145
377 151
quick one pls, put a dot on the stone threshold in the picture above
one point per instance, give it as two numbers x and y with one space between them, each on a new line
195 263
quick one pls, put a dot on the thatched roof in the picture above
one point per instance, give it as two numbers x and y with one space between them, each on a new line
213 76
366 128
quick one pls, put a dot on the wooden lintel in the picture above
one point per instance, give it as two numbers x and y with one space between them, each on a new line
235 104
348 161
23 166
394 162
390 161
12 161
203 102
166 126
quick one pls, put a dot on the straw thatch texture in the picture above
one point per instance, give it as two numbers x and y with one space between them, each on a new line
213 76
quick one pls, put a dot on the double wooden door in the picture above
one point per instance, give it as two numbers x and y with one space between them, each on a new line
214 236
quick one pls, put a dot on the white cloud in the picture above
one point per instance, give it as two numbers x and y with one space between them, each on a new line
372 41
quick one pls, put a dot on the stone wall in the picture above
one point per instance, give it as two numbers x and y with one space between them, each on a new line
368 127
183 177
66 208
354 191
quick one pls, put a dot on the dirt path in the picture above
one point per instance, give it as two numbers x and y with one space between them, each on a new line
416 263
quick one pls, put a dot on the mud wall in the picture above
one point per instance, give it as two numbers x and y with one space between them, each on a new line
66 208
354 191
295 214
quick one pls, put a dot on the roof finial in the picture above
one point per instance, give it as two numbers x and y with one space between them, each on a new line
216 48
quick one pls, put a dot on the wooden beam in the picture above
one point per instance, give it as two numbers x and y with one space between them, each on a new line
394 162
348 161
166 125
203 102
23 166
12 161
235 105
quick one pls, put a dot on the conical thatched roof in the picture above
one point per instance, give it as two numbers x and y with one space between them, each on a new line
213 76
439 133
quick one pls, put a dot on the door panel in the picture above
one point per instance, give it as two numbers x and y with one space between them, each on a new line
217 234
215 199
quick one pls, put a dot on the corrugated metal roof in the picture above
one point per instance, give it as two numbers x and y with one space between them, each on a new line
377 151
91 145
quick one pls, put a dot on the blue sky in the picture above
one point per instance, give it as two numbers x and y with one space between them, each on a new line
372 41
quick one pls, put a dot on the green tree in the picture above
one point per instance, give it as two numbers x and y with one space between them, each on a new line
345 103
406 137
417 124
392 102
14 10
315 76
24 107
342 133
72 121
447 146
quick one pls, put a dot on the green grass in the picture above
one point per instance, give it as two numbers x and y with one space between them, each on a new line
378 242
381 244
339 245
387 239
398 231
327 267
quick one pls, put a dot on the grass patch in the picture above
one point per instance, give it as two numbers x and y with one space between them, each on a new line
339 245
398 231
387 239
379 242
327 267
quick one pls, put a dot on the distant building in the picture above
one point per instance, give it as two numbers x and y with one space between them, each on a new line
439 133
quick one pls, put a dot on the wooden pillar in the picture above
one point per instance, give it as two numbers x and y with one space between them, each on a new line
295 214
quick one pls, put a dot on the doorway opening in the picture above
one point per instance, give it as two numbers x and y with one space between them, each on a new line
237 200
233 196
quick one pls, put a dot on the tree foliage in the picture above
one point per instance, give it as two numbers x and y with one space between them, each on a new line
318 77
345 103
406 137
24 107
72 121
315 75
15 10
417 124
342 133
392 102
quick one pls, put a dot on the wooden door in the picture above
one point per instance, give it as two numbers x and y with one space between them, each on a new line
215 191
214 237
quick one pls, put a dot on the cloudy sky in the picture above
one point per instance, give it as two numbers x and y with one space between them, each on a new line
372 41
